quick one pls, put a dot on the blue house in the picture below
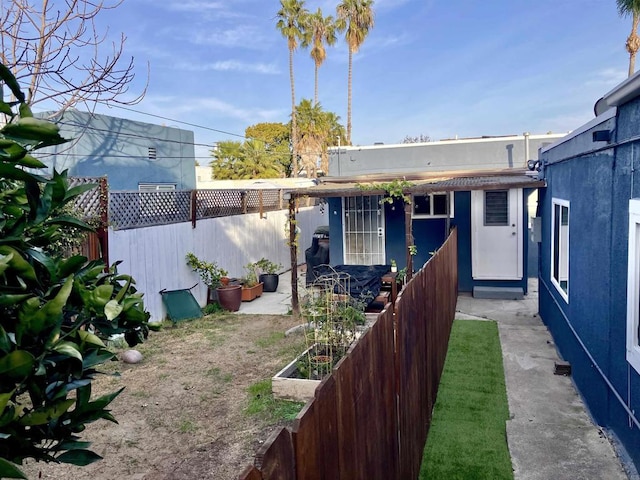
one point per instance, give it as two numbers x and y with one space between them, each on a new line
481 186
133 155
589 280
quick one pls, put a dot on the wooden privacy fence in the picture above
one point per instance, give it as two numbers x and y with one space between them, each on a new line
369 419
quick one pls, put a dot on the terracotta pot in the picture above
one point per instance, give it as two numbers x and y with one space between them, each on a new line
250 293
230 297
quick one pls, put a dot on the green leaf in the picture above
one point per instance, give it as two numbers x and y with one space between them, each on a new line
17 364
102 294
9 470
80 458
51 312
71 265
13 152
112 309
94 358
31 162
5 108
13 299
69 349
25 110
72 445
4 399
46 261
30 128
83 395
99 404
79 190
18 263
90 338
5 342
12 173
42 416
68 221
8 78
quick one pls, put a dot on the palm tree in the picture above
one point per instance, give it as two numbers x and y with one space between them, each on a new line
291 19
356 17
631 7
319 30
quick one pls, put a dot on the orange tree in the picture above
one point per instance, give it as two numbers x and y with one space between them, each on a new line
55 311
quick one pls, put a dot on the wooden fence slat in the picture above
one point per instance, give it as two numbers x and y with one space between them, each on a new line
327 425
305 443
346 418
275 458
250 473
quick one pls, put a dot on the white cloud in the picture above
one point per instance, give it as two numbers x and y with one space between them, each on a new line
231 66
244 36
607 78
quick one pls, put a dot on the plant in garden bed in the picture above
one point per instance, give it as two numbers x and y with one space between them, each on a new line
332 319
55 311
251 287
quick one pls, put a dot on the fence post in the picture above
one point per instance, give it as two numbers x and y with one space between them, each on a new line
103 230
243 201
408 238
193 213
293 250
260 204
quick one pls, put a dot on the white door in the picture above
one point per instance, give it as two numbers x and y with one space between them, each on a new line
363 226
496 234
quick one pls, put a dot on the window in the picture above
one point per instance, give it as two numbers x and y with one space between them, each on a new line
363 230
633 286
433 205
560 246
496 208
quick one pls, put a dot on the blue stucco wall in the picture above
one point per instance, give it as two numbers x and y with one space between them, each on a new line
590 330
429 235
119 149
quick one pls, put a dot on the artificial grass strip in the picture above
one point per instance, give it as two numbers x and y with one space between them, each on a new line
467 439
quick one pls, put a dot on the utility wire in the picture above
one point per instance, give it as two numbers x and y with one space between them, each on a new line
179 121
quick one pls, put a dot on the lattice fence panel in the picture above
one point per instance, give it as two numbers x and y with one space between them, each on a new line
263 200
219 203
143 209
89 202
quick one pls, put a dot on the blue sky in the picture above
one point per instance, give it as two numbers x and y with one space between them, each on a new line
439 68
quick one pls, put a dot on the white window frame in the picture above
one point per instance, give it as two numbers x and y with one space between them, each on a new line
561 203
633 285
431 215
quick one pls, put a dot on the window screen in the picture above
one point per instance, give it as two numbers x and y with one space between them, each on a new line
496 208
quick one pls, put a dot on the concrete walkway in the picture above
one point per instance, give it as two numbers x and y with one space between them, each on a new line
550 434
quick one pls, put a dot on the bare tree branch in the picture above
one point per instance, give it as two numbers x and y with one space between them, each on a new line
56 49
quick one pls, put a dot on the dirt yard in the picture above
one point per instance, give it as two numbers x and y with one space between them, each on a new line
181 415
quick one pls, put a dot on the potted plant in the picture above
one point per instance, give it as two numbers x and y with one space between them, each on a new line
268 274
251 287
394 266
211 274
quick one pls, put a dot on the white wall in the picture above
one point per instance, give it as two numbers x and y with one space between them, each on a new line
155 256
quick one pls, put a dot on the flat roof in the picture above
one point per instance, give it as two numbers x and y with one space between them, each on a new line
422 183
